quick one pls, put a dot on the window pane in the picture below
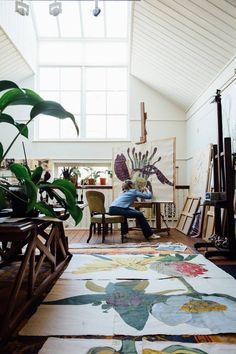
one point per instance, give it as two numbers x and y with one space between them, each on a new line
116 18
71 101
103 92
68 130
95 126
93 26
116 79
95 103
103 53
69 22
95 79
49 79
48 26
48 127
50 95
117 127
71 79
117 102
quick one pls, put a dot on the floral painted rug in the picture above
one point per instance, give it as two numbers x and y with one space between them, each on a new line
136 307
124 248
143 266
108 302
96 346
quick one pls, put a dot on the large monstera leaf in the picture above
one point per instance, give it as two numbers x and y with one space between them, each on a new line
23 96
32 184
54 109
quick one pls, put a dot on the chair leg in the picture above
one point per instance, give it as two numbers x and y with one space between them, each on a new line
103 232
90 232
122 237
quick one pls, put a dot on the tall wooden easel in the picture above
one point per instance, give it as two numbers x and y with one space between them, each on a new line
156 205
143 137
223 180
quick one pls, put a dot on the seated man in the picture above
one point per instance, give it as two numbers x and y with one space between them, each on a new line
121 206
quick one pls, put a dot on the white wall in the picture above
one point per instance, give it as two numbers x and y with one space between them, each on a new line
164 120
201 126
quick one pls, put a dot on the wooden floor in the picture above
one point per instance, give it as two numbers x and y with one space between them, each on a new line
81 236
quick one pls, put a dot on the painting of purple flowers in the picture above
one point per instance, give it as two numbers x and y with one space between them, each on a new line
150 164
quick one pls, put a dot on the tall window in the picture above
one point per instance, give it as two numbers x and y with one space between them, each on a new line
97 96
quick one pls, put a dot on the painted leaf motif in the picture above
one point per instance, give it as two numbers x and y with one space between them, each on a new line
1 151
127 347
120 168
107 264
175 349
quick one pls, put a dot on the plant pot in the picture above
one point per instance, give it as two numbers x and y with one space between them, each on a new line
103 181
91 181
19 206
74 180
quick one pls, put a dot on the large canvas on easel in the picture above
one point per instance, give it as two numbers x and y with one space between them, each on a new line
153 162
200 173
229 114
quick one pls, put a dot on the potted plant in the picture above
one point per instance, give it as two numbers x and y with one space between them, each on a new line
91 177
71 174
109 175
30 183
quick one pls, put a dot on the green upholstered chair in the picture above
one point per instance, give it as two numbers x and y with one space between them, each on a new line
99 216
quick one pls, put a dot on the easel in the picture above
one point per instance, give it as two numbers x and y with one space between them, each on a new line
143 137
145 204
223 179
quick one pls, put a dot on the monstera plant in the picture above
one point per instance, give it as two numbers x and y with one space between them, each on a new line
31 182
13 96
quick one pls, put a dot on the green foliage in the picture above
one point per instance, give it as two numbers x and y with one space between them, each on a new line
26 97
31 182
68 172
62 190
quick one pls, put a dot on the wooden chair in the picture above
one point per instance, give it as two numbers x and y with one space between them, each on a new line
98 215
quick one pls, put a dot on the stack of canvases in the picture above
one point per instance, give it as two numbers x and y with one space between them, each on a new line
137 303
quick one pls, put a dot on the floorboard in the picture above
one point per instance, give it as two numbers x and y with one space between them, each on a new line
80 236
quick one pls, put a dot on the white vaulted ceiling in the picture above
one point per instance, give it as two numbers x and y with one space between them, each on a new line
12 64
179 46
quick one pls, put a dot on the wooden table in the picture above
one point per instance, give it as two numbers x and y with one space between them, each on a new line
35 252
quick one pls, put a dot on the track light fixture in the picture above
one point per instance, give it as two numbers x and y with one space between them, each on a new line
55 8
22 8
96 10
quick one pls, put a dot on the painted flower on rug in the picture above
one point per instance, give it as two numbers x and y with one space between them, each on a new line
127 347
172 265
134 305
107 264
208 311
180 268
175 349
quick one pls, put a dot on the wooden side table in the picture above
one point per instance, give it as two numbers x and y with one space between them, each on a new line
44 256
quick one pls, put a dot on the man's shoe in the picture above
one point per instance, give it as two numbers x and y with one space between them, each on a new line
154 237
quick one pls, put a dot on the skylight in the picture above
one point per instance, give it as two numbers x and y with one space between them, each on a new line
78 22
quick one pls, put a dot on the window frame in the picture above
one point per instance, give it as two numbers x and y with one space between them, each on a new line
82 123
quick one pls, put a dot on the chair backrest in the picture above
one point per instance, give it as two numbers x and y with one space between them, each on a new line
96 201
